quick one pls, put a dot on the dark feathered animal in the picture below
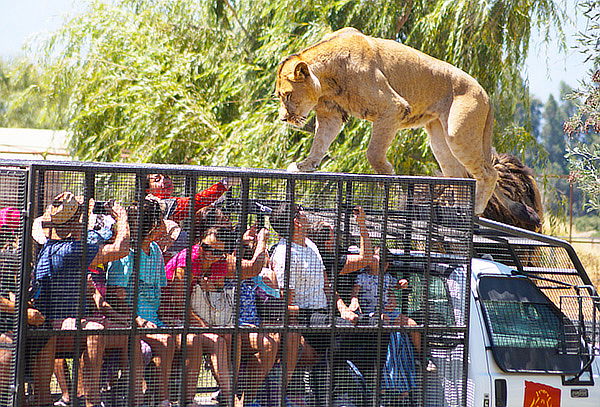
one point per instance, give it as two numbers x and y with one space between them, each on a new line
517 182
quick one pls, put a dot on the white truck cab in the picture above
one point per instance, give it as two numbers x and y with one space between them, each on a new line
533 334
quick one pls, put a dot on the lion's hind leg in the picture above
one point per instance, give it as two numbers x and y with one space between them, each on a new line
448 163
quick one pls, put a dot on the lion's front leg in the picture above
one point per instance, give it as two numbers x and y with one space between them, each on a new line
328 127
384 131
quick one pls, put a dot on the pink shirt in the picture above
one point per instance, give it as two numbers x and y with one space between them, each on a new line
217 270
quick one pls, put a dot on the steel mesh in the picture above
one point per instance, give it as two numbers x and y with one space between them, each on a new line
407 345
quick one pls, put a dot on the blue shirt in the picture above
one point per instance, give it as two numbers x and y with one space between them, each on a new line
248 311
152 278
58 275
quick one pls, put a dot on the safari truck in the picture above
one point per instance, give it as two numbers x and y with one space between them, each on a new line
489 316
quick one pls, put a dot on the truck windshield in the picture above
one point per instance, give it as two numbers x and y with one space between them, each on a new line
527 332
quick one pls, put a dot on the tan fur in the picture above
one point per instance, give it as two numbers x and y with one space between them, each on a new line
396 87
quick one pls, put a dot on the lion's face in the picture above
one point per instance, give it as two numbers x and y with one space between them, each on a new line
298 90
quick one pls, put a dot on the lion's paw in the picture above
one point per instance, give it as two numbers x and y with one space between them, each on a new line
293 167
407 111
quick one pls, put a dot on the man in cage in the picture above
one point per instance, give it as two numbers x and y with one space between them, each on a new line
161 186
357 276
57 280
309 287
110 229
176 209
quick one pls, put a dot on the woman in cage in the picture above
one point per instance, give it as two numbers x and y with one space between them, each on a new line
215 282
209 251
147 217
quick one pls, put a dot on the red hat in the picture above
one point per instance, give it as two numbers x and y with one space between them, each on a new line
10 218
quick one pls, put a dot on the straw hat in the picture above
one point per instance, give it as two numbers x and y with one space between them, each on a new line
63 217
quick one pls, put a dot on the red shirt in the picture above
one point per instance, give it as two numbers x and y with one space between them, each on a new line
202 199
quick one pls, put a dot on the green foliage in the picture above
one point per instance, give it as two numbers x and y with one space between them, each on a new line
192 82
24 101
590 223
584 125
585 167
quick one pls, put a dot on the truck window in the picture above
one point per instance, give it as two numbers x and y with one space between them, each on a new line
528 333
440 306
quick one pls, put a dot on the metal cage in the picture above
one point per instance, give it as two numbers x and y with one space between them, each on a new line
405 342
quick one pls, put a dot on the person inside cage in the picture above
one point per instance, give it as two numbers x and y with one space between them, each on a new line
399 369
322 233
210 250
217 283
146 216
307 283
110 230
258 349
10 221
161 186
69 250
114 227
177 208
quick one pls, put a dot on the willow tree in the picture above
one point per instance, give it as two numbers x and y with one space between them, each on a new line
192 81
23 101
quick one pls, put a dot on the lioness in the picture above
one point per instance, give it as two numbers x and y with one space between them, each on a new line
395 87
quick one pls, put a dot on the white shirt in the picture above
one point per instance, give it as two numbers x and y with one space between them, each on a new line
306 273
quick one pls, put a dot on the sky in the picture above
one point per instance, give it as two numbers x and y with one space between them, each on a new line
545 67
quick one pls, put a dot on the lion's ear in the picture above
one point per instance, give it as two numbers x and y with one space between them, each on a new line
301 71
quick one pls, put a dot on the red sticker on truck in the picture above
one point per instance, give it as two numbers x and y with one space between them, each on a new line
541 395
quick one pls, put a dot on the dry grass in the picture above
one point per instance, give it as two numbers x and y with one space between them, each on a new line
589 253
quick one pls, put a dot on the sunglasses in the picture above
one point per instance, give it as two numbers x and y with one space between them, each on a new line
211 250
298 209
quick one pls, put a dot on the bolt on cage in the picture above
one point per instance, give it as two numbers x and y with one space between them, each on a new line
407 346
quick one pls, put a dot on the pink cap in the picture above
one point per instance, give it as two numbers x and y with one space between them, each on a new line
10 218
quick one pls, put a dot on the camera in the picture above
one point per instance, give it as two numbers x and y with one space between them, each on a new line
102 207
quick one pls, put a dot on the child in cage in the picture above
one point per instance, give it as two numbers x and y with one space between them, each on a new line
323 235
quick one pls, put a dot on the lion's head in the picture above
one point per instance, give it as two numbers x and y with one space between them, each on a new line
298 90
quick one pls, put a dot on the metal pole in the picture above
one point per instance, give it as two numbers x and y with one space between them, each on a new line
570 210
